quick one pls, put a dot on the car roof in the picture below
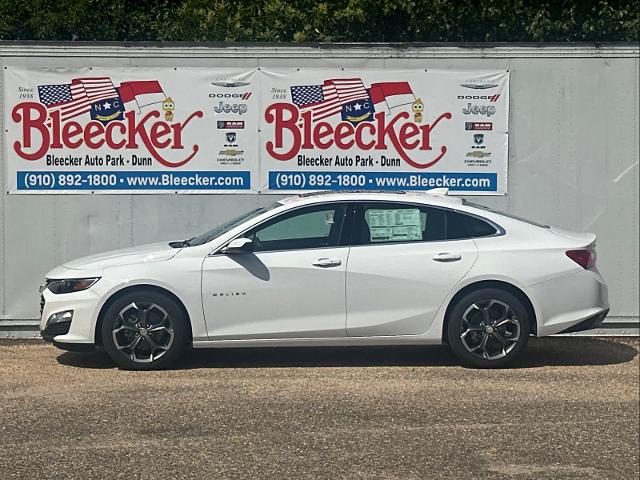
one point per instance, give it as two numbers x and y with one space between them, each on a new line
395 196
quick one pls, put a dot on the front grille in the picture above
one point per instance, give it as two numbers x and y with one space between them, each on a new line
41 304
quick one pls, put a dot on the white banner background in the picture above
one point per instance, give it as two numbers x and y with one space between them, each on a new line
232 131
445 129
201 138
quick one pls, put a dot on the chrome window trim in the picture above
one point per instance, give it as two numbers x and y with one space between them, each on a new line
500 231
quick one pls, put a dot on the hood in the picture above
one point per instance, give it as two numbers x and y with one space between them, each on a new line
154 252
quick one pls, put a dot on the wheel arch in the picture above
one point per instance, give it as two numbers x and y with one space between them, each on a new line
501 284
137 288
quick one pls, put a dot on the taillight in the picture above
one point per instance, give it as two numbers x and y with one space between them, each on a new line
585 257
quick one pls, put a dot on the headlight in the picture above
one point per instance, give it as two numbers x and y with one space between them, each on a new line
70 285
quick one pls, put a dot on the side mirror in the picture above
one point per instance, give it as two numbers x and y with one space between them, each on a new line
239 245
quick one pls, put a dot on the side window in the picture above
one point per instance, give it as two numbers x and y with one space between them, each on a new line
396 222
312 227
460 225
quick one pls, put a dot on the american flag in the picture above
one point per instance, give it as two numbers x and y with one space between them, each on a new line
327 99
76 98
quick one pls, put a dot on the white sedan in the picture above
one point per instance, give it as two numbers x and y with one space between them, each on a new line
333 269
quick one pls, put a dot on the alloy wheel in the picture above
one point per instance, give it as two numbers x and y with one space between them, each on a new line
490 329
143 332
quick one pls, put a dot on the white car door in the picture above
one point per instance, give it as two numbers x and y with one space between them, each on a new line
292 285
404 261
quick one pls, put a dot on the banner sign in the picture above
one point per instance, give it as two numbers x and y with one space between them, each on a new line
384 130
217 130
130 130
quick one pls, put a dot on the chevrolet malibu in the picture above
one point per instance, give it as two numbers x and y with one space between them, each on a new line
333 269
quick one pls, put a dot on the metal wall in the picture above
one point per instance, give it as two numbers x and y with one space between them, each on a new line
573 155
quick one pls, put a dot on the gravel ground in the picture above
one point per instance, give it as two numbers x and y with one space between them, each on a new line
569 409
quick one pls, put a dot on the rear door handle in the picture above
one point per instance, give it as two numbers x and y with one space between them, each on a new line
327 262
447 257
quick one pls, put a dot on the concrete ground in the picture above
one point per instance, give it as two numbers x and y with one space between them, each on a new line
569 409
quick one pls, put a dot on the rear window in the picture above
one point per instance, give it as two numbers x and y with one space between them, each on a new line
504 214
460 225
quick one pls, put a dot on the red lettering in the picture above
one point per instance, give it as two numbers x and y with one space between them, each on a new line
92 130
399 133
31 124
359 130
111 126
344 130
38 136
306 118
159 130
426 131
407 131
69 131
276 114
322 130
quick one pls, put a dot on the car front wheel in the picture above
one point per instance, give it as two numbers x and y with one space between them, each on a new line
488 328
144 330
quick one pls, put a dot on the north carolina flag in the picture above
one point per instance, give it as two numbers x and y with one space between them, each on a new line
145 92
394 94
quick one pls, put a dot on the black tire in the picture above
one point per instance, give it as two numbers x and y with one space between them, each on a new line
482 314
168 332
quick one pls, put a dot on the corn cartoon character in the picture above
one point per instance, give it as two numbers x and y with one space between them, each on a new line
417 107
168 106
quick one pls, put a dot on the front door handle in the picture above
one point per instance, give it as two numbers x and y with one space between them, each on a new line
447 257
327 262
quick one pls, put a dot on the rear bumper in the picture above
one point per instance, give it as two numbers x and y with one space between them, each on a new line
588 323
570 303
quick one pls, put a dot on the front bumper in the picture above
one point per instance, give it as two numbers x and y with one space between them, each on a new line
53 330
81 329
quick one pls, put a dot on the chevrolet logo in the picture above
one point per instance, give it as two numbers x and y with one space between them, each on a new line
478 154
230 152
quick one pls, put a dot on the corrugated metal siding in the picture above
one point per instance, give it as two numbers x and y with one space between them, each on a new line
573 157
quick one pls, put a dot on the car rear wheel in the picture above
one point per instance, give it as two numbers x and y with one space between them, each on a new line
144 330
488 328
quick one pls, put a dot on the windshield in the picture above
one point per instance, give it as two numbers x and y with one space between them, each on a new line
504 214
226 226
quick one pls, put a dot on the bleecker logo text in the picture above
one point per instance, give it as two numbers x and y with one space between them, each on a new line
302 133
39 135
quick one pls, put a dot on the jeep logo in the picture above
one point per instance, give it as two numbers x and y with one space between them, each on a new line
238 108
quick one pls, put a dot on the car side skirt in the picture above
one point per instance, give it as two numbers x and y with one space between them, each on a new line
317 342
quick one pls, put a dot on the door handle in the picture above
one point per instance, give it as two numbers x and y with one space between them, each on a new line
327 262
447 257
